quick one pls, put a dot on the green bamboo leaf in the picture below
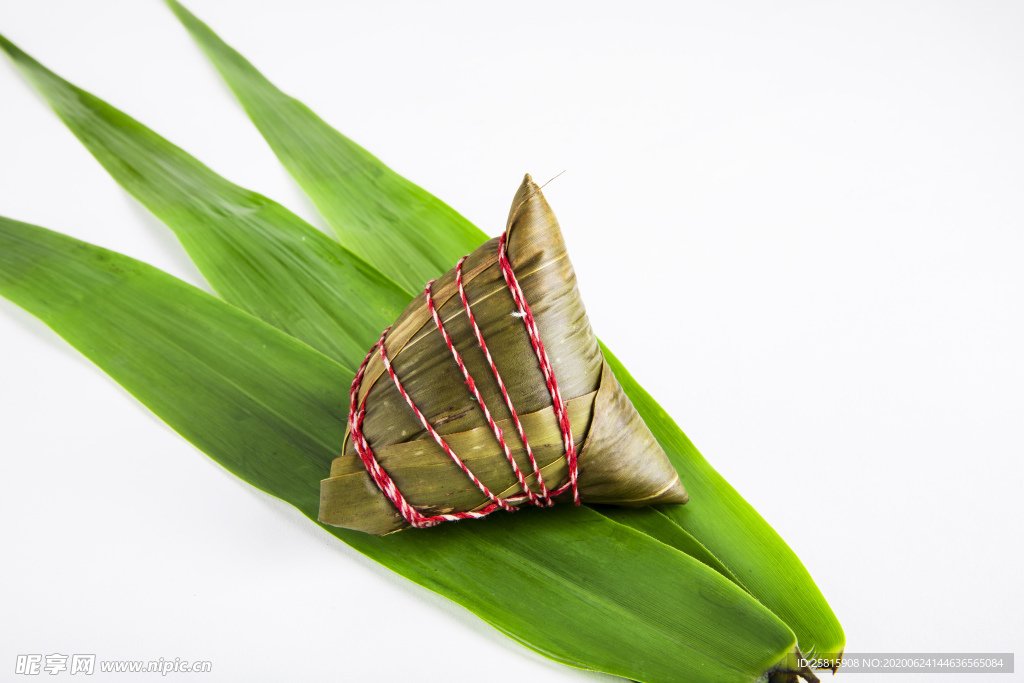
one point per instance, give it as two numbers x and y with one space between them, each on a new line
254 252
423 237
265 407
653 522
747 545
313 151
206 210
322 294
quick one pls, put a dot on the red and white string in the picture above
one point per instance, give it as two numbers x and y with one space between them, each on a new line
544 497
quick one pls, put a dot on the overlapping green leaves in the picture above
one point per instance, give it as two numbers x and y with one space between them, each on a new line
264 406
268 262
254 252
424 236
717 517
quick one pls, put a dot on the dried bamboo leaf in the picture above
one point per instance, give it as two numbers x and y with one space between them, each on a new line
424 473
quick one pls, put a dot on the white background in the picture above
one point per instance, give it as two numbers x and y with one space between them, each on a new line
814 210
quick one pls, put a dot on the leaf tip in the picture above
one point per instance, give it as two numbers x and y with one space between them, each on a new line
24 61
10 48
189 20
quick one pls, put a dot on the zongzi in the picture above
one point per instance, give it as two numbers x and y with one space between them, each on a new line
490 392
